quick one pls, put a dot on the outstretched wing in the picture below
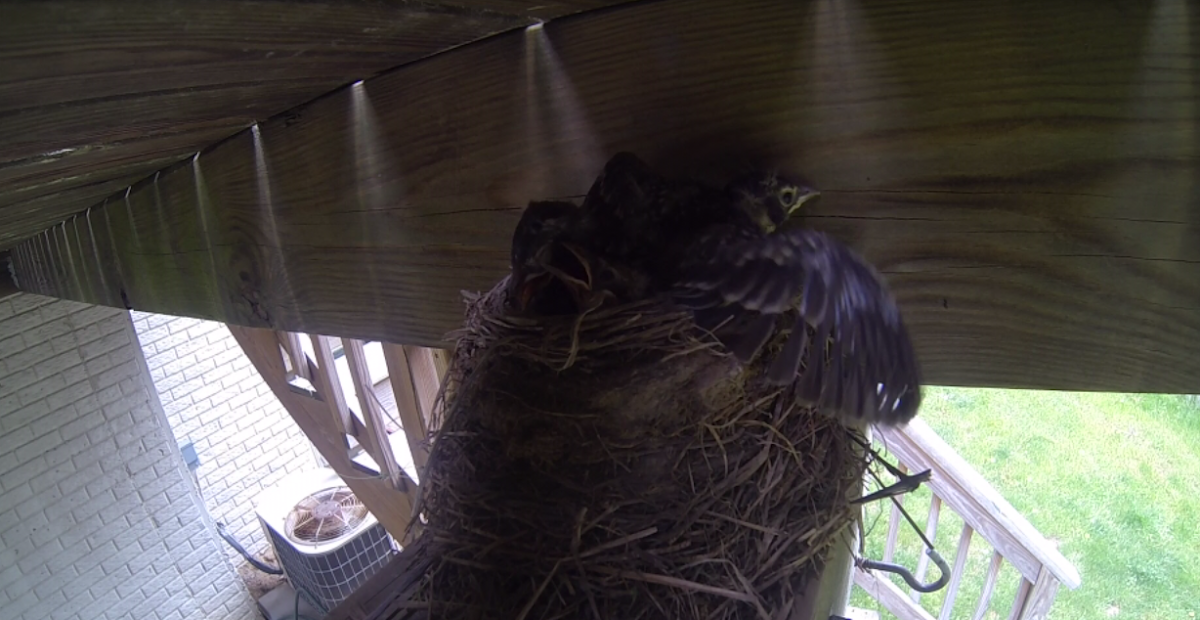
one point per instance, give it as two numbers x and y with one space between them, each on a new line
848 351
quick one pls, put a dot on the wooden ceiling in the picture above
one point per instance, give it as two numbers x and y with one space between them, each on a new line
95 96
1025 173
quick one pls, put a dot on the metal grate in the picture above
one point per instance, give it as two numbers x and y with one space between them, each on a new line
325 516
326 580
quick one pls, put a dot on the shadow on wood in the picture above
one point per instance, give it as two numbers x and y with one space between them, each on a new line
1027 175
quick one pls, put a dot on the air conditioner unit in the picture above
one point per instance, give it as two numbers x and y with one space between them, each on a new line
326 541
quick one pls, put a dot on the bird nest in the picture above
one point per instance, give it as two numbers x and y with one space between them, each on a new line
618 464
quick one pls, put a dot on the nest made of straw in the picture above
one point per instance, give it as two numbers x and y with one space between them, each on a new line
618 465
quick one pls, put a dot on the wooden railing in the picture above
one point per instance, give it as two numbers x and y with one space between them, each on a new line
957 486
353 437
307 382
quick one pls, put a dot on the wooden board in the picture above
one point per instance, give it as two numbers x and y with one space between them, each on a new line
94 91
1024 173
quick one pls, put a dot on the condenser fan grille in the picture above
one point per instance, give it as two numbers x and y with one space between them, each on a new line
328 514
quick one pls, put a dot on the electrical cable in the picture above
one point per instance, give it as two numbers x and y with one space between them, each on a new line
259 564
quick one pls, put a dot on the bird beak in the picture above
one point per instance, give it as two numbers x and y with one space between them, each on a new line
807 195
528 287
561 261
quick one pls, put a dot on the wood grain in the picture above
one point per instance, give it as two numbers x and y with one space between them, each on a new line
931 525
330 386
408 406
1024 173
956 572
1021 599
375 440
889 549
93 91
989 586
1041 597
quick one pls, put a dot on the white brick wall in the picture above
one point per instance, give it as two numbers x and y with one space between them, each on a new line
98 519
215 398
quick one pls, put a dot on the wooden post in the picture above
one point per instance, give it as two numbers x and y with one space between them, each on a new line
931 525
1041 597
407 402
375 441
426 376
329 385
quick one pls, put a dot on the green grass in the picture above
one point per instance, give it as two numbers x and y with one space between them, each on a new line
1114 479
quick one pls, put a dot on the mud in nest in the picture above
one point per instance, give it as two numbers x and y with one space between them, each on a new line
618 465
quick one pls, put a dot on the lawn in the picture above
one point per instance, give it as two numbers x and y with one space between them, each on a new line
1113 479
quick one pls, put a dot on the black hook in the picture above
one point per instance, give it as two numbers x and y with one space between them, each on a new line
908 577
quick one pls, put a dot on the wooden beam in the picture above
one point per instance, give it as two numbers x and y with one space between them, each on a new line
1028 185
408 405
94 92
390 505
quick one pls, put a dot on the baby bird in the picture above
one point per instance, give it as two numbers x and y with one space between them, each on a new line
730 258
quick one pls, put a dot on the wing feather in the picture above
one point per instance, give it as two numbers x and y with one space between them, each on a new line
871 373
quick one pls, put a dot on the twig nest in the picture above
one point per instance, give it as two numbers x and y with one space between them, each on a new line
616 464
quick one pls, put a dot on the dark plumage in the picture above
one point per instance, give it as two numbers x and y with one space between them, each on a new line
728 256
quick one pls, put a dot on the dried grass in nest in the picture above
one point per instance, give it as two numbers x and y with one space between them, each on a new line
615 465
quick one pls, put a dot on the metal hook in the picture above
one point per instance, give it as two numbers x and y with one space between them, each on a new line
908 577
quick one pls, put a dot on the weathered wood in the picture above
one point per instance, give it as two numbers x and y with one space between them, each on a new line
890 595
408 407
989 586
375 440
1020 600
931 525
97 91
1041 597
977 502
297 359
392 507
1023 173
426 376
956 572
889 549
537 10
441 363
331 387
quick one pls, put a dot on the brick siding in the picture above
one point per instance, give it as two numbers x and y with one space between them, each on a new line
98 517
214 398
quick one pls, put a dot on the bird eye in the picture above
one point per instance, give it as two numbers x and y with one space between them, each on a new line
788 195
